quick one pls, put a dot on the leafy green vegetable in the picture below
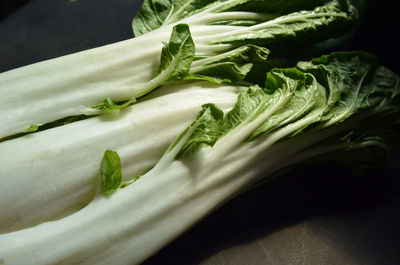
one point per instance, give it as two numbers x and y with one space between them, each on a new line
333 106
343 106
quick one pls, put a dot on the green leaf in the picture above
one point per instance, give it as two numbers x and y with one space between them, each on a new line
177 55
308 97
230 67
111 174
206 129
32 128
222 73
175 61
248 103
355 82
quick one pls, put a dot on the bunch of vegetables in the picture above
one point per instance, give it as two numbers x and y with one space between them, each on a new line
227 93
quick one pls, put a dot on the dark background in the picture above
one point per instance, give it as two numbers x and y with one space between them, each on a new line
315 214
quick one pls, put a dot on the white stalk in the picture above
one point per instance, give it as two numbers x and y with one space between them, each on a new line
209 18
61 165
70 85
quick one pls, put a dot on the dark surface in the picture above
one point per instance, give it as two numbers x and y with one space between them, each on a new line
318 214
9 6
44 29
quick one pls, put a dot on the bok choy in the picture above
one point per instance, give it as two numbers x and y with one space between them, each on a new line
341 102
222 45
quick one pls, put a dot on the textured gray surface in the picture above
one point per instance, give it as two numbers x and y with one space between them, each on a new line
310 216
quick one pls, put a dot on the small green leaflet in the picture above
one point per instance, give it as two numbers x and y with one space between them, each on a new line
111 173
178 61
176 58
32 128
64 121
109 105
207 129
